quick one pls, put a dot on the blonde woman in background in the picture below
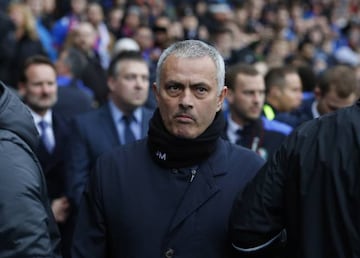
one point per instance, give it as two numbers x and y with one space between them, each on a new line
22 42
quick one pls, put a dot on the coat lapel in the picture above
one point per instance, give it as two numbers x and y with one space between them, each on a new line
146 116
203 187
108 126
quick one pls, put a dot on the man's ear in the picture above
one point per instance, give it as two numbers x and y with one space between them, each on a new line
275 91
230 96
21 89
317 93
111 84
156 91
221 98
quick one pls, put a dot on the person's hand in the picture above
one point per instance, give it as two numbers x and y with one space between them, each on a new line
60 208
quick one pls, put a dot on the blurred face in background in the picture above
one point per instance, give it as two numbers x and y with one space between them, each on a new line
85 36
40 89
95 14
78 6
144 37
223 42
129 88
246 98
17 14
114 18
331 101
291 93
36 6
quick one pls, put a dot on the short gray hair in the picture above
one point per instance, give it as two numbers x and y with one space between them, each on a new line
193 49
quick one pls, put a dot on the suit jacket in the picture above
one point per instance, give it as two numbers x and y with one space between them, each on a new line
263 136
92 134
72 101
304 112
53 164
138 209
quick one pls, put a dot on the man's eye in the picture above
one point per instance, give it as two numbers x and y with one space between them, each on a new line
173 88
201 90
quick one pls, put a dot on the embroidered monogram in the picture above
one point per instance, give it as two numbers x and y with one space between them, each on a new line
161 155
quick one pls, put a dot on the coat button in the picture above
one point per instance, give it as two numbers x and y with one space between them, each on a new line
169 253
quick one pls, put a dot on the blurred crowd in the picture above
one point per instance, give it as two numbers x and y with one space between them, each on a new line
268 33
289 61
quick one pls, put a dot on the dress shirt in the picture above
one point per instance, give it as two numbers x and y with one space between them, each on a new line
232 130
314 109
49 129
135 123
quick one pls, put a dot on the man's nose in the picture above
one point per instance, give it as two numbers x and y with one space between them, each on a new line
141 82
186 99
46 88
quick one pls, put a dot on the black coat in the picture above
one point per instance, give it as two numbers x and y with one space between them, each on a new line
311 188
53 164
17 51
27 226
134 208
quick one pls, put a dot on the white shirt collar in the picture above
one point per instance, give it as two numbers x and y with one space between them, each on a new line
37 118
232 129
117 114
314 109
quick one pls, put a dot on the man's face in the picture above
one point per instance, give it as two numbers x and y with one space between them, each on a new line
188 96
86 36
331 101
247 98
291 94
60 64
95 14
40 89
130 87
145 38
78 6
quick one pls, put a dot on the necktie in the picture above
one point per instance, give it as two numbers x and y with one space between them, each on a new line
44 136
245 136
128 133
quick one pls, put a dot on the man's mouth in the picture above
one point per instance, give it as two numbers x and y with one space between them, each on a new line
184 118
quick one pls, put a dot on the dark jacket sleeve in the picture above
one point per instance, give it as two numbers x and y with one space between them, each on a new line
27 228
77 163
256 223
90 232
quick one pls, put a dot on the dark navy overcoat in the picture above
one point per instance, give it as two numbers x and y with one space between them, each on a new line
134 208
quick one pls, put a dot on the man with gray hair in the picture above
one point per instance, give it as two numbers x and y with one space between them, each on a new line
171 193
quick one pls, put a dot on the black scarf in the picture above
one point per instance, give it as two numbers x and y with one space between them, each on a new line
170 151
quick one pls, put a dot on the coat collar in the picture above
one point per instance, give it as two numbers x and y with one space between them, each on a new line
204 186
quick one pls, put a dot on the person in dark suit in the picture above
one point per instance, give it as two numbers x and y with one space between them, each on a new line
100 130
170 194
245 125
74 97
93 75
38 89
